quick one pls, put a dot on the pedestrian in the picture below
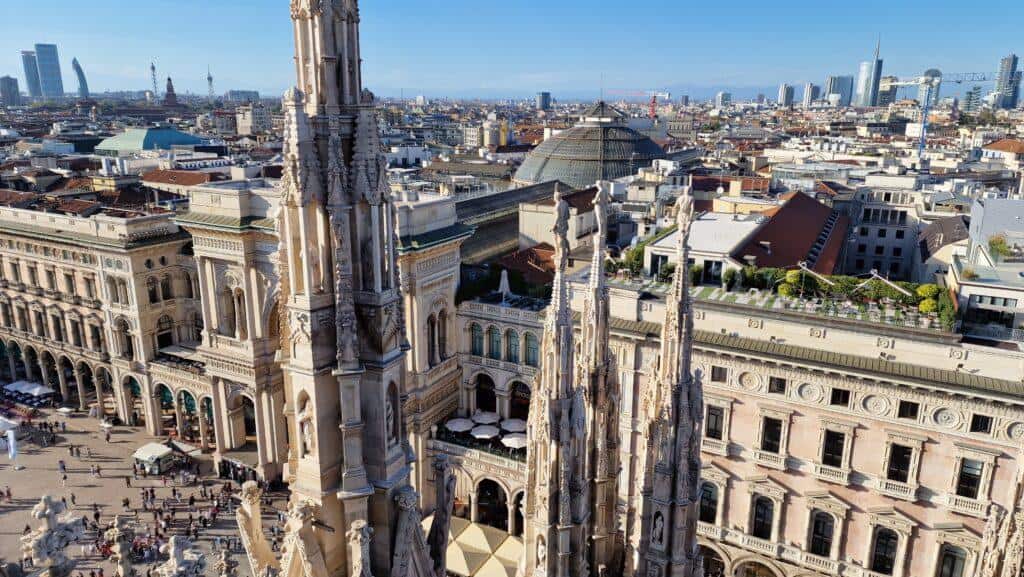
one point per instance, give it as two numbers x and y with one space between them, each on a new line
64 502
63 426
73 503
71 450
99 472
127 481
64 480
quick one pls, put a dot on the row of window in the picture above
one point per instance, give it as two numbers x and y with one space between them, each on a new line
897 251
821 536
53 328
839 397
494 348
12 272
882 232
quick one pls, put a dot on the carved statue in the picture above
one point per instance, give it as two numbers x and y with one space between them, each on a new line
658 533
437 540
46 544
182 559
225 566
121 537
359 548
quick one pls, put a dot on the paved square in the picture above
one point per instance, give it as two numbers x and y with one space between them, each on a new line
41 476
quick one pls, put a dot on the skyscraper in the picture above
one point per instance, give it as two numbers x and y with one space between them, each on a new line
841 85
9 94
785 95
83 86
50 82
723 99
28 62
1007 83
868 80
543 100
812 92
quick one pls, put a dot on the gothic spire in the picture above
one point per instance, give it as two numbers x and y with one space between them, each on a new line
668 543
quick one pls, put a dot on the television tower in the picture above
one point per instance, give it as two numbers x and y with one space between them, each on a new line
156 87
209 83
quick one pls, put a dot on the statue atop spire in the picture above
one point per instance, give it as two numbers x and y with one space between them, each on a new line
671 477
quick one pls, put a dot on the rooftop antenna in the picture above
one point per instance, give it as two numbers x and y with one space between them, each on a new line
156 88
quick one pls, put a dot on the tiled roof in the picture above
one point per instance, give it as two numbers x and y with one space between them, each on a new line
941 233
181 177
14 198
793 231
1007 145
536 263
581 200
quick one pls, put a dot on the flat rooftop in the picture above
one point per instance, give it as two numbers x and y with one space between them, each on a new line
715 232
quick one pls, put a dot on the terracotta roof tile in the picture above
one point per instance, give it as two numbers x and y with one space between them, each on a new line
181 177
1007 145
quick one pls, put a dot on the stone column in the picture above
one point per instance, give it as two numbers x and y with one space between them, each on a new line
511 516
44 372
203 427
29 375
504 403
179 419
474 506
218 417
12 366
62 381
81 389
262 442
101 403
151 406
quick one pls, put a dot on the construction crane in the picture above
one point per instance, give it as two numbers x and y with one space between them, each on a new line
652 105
929 84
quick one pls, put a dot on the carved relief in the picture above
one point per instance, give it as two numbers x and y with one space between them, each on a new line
947 418
810 392
876 404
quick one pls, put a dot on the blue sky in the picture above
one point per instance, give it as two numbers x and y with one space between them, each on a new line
494 48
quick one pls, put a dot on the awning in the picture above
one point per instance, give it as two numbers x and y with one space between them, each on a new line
476 550
152 452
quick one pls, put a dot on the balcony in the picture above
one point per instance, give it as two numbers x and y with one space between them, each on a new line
713 532
968 506
760 545
714 446
770 460
898 490
831 474
819 564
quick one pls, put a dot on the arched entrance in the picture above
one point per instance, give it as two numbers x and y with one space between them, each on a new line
485 397
49 374
753 569
714 565
17 362
5 364
249 418
189 411
32 368
165 397
517 514
492 505
132 392
66 370
88 386
519 401
105 391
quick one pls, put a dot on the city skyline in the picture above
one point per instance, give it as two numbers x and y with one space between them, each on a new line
753 62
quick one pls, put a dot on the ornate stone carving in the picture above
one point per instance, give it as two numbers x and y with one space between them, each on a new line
810 392
876 404
1015 431
46 545
359 548
182 559
749 381
947 418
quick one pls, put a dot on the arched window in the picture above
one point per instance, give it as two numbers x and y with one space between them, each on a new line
822 528
494 343
189 291
519 402
227 313
153 290
164 332
477 334
431 340
708 503
764 515
511 346
124 335
165 287
197 326
951 561
532 350
883 551
442 335
486 400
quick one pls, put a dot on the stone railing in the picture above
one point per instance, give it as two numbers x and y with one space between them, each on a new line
710 531
498 312
770 460
898 490
831 474
520 368
968 506
491 463
819 564
714 446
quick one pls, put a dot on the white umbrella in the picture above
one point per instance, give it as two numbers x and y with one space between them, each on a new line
514 425
459 425
484 432
65 410
514 441
486 418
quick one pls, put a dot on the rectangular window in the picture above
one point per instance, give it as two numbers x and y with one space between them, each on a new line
862 248
897 251
863 231
714 425
840 398
771 435
719 374
859 264
969 481
908 410
981 423
69 283
832 452
899 463
900 233
777 385
881 233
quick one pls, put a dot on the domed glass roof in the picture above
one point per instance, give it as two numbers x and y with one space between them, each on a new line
600 147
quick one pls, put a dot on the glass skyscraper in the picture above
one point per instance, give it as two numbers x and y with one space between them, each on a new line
48 62
28 63
1008 83
841 85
